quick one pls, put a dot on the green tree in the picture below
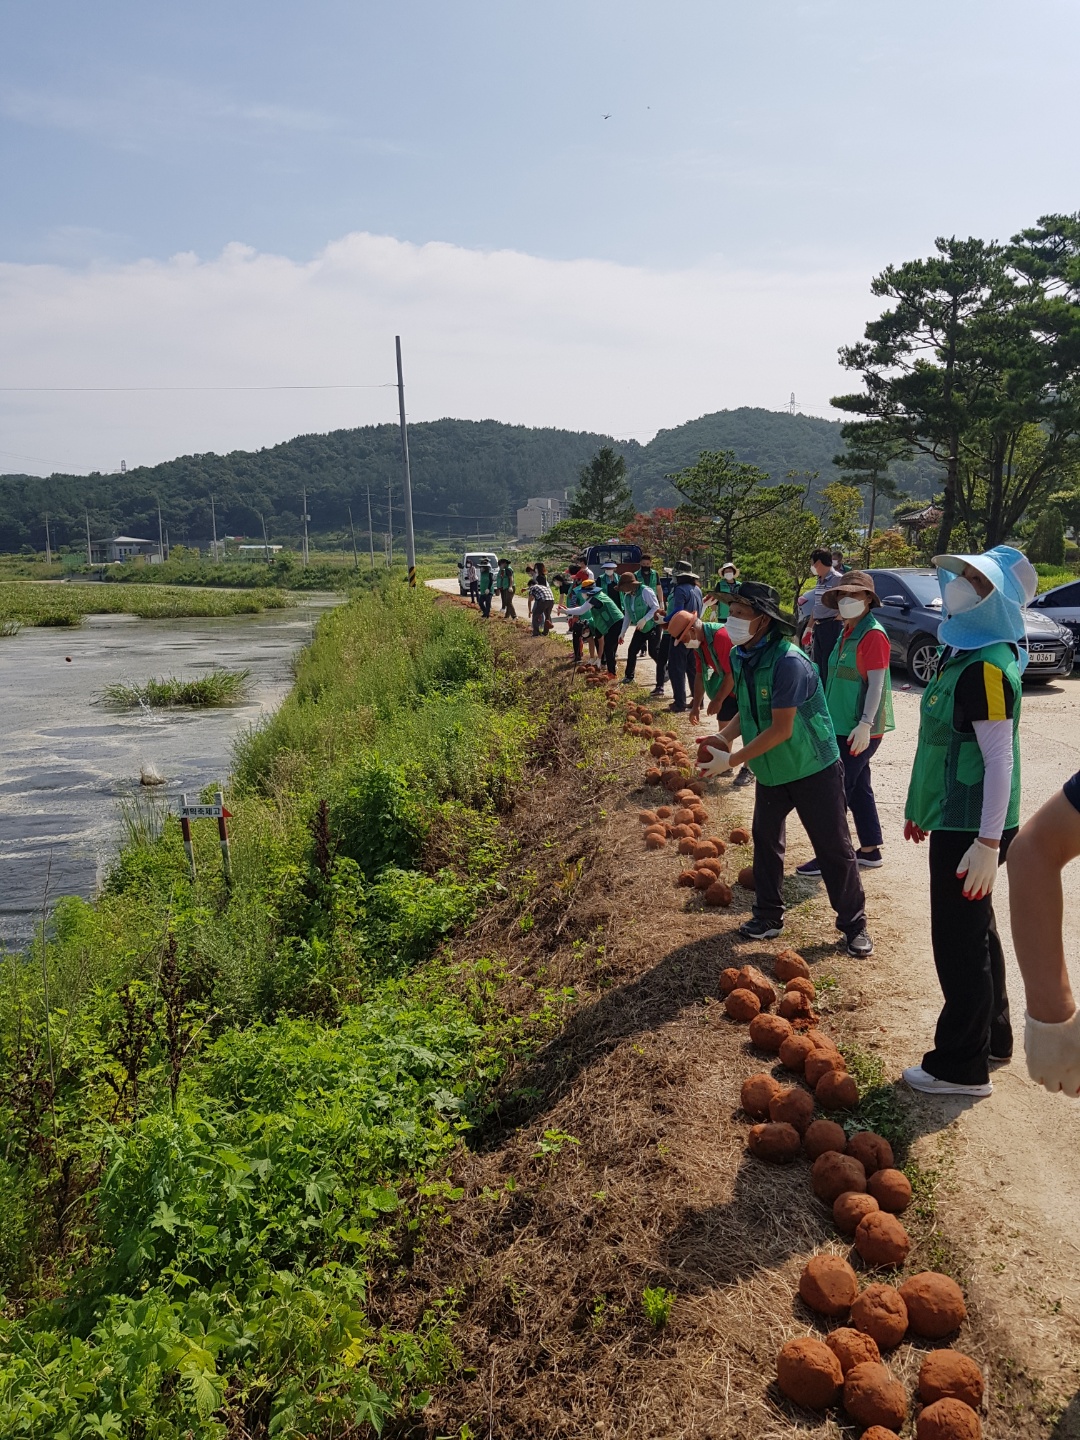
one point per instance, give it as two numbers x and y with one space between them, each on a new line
602 494
871 449
776 548
568 539
669 534
1047 544
841 507
731 494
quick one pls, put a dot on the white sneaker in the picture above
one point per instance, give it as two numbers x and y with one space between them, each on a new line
919 1079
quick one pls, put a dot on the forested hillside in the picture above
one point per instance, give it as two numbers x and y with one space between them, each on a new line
467 476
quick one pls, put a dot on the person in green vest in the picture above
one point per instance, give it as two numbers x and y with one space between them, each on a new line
653 580
504 584
640 605
788 742
649 577
859 696
965 795
485 589
724 587
605 619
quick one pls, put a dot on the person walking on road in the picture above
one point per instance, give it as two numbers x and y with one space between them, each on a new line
484 589
685 595
1043 847
640 605
965 795
543 600
652 580
858 693
825 627
789 744
604 619
504 584
472 578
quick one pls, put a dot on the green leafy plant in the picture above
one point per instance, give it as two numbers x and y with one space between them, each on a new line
657 1304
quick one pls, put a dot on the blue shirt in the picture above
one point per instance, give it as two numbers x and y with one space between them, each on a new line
685 597
794 677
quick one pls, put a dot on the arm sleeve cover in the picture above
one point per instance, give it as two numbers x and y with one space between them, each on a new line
875 684
995 739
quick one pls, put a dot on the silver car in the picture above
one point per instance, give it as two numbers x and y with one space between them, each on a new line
1061 604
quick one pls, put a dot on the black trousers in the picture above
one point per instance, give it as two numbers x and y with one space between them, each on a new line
819 803
640 642
474 591
577 635
677 658
610 643
663 650
541 615
974 1021
484 601
826 634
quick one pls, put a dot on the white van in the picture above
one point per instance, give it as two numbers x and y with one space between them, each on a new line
477 558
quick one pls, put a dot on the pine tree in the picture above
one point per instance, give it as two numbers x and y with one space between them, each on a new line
602 494
1048 538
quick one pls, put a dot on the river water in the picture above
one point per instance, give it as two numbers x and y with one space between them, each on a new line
66 762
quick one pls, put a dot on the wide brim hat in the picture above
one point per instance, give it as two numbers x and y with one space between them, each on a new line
628 581
1008 570
857 585
680 623
687 575
764 599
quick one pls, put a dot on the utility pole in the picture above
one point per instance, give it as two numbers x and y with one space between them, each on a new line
89 550
213 527
305 530
266 542
370 535
410 539
352 532
48 543
160 536
389 523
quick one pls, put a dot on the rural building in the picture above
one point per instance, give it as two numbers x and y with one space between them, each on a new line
121 548
538 515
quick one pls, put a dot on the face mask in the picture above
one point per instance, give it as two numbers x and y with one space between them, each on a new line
850 608
738 631
961 595
728 575
691 644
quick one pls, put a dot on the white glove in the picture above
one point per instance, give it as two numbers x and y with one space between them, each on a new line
859 738
710 769
980 865
1053 1054
640 625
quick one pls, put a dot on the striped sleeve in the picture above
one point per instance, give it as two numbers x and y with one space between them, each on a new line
982 693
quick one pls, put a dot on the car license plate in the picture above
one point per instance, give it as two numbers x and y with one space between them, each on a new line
1041 657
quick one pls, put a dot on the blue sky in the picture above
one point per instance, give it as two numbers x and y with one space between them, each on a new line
768 158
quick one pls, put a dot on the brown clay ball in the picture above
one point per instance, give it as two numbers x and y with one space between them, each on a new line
804 986
742 1005
686 880
837 1091
832 1174
687 844
757 1093
654 841
776 1143
850 1208
794 1006
948 1420
828 1285
729 980
794 1052
652 776
878 1432
790 965
703 879
873 1150
719 893
794 1107
809 1373
683 816
704 850
751 978
852 1347
935 1304
663 812
881 1240
946 1374
891 1189
880 1312
824 1042
823 1135
647 817
711 864
768 1032
746 877
873 1396
820 1061
739 836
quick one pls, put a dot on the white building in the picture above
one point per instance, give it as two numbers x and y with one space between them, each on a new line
538 515
121 548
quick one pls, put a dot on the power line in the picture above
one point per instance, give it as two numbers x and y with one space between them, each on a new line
174 389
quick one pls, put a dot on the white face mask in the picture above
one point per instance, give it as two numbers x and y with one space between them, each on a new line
738 631
690 644
961 595
850 608
728 575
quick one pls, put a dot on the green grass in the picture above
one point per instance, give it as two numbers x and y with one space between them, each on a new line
224 1109
30 604
219 687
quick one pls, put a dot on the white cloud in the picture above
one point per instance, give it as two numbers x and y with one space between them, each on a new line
584 344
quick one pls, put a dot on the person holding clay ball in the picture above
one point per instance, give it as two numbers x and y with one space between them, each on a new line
965 796
788 742
1038 855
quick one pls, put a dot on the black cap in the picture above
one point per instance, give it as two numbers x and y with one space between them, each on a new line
764 599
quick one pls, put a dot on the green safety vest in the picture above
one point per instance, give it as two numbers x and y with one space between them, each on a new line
605 613
946 789
845 688
634 608
504 579
812 746
486 579
721 608
651 578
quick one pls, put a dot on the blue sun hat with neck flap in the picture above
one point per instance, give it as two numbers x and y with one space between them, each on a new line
998 617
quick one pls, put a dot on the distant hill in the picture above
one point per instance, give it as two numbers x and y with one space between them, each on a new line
467 475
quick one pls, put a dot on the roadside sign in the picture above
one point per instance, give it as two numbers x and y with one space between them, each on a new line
204 812
216 812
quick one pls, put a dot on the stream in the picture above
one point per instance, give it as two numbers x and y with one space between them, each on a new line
67 761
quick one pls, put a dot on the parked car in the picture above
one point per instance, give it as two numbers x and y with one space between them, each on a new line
626 557
910 614
477 557
1061 604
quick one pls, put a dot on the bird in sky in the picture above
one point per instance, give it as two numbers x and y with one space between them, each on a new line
607 117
